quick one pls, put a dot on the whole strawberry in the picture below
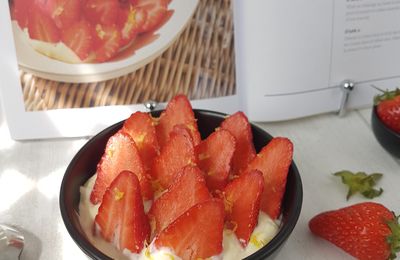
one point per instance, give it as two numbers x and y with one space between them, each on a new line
388 109
366 230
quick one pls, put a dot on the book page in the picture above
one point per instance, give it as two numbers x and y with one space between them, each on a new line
366 40
292 56
283 53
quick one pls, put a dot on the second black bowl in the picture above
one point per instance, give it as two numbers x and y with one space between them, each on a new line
389 139
83 166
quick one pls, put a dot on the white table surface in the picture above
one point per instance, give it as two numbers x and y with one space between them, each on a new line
31 173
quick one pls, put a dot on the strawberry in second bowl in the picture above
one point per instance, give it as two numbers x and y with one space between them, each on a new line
385 121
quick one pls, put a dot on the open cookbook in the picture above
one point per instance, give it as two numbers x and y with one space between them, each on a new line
71 68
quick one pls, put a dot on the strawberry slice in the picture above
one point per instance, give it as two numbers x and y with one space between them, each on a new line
120 154
156 11
176 154
121 218
140 127
214 156
20 10
188 189
242 198
107 41
130 22
104 12
238 125
178 111
79 38
63 12
196 234
273 161
41 27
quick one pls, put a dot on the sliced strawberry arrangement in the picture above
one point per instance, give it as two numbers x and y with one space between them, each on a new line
130 22
42 27
120 154
178 111
214 158
238 125
156 11
102 12
79 38
242 198
107 41
121 218
188 189
176 154
273 161
140 127
196 234
365 230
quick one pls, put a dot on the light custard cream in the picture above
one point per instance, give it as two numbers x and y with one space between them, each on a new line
265 230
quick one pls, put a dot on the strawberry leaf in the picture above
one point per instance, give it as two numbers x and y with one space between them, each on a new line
394 238
361 182
386 95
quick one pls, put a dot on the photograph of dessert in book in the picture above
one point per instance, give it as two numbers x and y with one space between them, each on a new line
90 31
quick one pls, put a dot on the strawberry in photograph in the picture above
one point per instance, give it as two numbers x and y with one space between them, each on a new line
242 198
366 230
121 218
79 38
107 41
156 11
196 234
388 109
63 12
104 12
273 161
20 10
42 27
130 22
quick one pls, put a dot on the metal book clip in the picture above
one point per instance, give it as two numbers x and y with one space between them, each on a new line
347 87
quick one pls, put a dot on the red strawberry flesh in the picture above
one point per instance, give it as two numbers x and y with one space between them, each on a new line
79 38
140 127
388 109
242 198
178 111
273 161
188 189
120 154
214 157
197 233
41 27
239 126
102 12
176 154
121 218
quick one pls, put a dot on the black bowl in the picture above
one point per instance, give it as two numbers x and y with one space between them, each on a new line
83 166
389 139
